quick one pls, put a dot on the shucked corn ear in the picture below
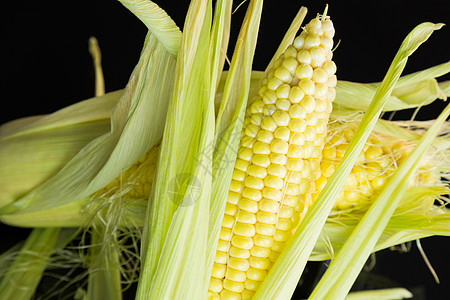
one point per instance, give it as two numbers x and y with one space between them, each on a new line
279 153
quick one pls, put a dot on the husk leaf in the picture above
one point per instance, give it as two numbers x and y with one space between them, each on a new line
21 278
412 90
158 23
176 227
382 294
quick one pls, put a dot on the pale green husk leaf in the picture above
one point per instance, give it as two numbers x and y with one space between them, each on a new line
158 23
35 148
176 227
413 90
104 275
22 276
382 294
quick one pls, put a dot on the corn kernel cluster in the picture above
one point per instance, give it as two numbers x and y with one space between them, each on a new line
136 181
277 163
378 161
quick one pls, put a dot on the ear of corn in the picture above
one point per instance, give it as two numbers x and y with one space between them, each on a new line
363 239
355 252
386 148
283 136
291 262
229 122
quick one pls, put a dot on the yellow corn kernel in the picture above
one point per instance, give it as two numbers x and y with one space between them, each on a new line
242 242
256 274
269 206
265 229
281 235
244 229
252 285
219 270
274 256
228 221
223 245
230 209
235 275
257 171
278 246
238 264
263 240
247 295
266 217
272 194
225 234
246 217
248 205
229 295
259 263
212 295
258 251
252 194
273 182
239 252
221 257
215 285
284 224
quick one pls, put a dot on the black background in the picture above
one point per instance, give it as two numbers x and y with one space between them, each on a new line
47 67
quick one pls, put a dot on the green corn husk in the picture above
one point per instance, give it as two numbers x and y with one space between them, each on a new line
33 150
384 294
21 277
174 240
411 91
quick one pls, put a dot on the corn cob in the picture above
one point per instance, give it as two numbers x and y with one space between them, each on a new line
277 163
378 161
136 181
